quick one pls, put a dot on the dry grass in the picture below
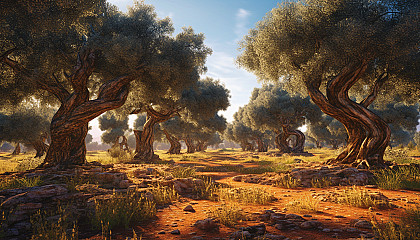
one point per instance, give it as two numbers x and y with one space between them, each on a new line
358 197
305 205
228 214
246 195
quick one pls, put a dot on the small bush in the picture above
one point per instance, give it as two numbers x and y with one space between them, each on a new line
47 226
120 155
12 183
408 227
287 182
246 195
406 177
228 214
399 156
305 205
121 210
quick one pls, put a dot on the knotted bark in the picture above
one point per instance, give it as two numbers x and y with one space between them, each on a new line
175 144
300 139
144 147
281 142
368 134
40 146
69 125
201 146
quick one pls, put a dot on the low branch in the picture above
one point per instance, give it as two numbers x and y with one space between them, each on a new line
375 89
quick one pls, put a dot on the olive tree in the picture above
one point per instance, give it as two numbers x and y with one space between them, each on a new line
344 54
114 128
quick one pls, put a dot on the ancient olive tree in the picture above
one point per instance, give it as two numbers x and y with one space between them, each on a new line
272 108
85 55
199 121
344 54
26 126
114 130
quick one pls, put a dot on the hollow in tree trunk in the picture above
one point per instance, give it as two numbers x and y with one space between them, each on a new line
300 139
69 125
17 149
368 134
144 147
175 144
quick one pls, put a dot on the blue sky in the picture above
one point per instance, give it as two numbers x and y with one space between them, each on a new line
224 23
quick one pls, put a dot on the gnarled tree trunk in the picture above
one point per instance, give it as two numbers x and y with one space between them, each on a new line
368 134
69 125
261 146
175 144
40 146
281 142
190 145
300 139
144 147
201 146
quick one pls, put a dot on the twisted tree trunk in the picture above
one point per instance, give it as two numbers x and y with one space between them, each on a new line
201 146
281 142
300 139
190 145
69 125
40 146
175 144
144 147
368 134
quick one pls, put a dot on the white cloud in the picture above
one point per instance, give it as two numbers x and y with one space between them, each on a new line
241 23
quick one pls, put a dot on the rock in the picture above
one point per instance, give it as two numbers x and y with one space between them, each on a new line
175 232
285 225
270 236
189 208
363 224
237 178
241 235
124 184
311 224
294 217
207 225
255 230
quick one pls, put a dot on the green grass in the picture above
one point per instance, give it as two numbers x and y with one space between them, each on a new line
121 210
228 214
183 172
305 205
246 195
407 228
13 183
406 177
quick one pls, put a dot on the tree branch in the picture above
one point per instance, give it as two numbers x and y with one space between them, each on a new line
374 90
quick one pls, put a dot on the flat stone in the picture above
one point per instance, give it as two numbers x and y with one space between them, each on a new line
189 208
175 232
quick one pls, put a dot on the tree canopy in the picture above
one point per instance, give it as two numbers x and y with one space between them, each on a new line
113 127
336 49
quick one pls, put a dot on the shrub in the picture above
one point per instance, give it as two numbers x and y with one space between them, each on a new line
183 172
120 155
163 195
405 177
208 190
28 164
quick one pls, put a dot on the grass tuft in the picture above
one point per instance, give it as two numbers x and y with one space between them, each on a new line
246 195
121 210
321 182
406 177
228 214
358 197
53 226
305 205
408 227
183 172
287 181
13 183
163 195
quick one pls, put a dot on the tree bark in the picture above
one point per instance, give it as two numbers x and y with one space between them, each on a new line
124 144
144 148
368 134
281 142
40 146
17 149
201 146
261 146
175 144
300 139
69 125
190 145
